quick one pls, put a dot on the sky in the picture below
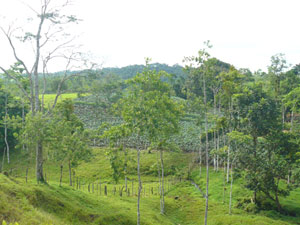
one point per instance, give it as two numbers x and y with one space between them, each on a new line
245 33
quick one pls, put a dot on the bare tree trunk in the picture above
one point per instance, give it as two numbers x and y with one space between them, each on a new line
218 149
254 148
230 199
23 120
5 130
162 193
215 139
70 173
200 154
283 116
159 176
206 152
2 167
39 148
26 174
39 162
277 199
125 165
200 158
140 187
224 178
228 162
292 121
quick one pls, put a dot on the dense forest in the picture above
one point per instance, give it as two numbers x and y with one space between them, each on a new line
203 142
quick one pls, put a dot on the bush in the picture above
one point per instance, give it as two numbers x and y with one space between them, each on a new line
265 203
246 204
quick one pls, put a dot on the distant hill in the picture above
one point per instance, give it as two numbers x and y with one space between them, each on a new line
130 71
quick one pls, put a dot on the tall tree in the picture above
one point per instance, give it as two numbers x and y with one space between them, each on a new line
147 108
68 140
201 68
51 43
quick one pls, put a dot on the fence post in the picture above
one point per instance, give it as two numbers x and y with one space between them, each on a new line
105 190
26 174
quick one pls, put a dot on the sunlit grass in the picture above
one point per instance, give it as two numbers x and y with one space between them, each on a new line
49 98
40 204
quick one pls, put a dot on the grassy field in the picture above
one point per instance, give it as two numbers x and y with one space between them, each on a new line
49 98
29 203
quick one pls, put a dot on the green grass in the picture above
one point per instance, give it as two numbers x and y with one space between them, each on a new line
49 98
50 204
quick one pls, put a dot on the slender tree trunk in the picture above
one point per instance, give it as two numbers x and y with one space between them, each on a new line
125 166
61 174
39 148
228 162
140 187
218 149
39 162
26 174
229 147
292 121
159 175
214 124
2 167
200 158
23 120
206 151
254 148
162 192
283 116
230 199
277 199
5 130
70 173
224 180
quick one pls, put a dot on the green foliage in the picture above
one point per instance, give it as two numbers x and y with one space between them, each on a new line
14 108
68 139
35 129
147 107
107 91
116 163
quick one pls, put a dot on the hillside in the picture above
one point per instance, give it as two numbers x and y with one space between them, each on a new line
29 203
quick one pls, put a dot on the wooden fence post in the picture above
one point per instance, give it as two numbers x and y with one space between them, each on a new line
26 174
105 190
